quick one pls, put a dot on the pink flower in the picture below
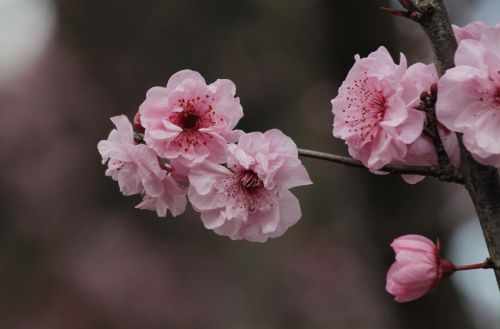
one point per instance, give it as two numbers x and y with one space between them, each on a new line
190 121
134 166
422 152
417 269
417 79
472 31
136 169
373 111
250 200
469 96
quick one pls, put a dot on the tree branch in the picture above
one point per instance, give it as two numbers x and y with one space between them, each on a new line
483 185
433 17
446 175
428 105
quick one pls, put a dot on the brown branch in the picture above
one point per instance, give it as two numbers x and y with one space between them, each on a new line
433 17
483 185
445 175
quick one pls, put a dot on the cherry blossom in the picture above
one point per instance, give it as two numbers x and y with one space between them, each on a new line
422 152
137 169
189 120
469 96
134 166
250 198
417 269
373 112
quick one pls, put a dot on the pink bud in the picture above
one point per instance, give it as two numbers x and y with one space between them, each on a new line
417 269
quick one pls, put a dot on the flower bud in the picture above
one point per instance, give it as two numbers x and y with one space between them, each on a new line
417 269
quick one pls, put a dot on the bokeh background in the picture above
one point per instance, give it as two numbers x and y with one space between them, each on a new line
74 253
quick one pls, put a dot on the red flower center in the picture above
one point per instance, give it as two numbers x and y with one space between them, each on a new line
189 120
196 113
250 182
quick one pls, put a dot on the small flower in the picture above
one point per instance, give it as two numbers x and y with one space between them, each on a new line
136 168
418 268
250 200
373 111
189 120
469 96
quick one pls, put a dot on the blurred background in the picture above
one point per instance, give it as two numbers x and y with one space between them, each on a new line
74 253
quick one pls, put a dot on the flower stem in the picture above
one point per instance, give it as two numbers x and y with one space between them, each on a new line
487 264
432 171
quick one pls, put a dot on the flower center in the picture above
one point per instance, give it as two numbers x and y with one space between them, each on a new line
189 120
245 191
196 113
491 99
250 182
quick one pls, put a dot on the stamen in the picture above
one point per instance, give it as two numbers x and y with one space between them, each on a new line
245 190
366 108
196 114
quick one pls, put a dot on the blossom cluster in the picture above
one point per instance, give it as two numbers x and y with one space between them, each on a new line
183 146
383 111
380 115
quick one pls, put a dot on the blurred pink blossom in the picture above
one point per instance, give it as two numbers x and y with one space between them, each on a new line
250 200
373 111
189 120
469 96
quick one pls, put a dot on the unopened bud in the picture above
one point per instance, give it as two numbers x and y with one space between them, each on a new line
137 123
424 95
434 89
